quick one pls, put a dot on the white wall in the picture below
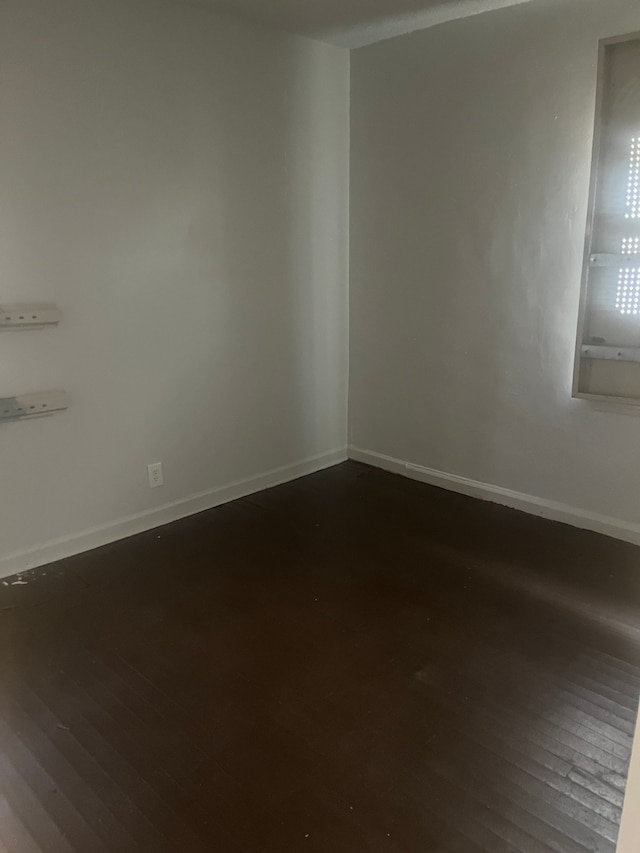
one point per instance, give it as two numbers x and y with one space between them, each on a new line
178 183
471 154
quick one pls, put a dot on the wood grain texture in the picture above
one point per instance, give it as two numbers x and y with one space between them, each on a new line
349 663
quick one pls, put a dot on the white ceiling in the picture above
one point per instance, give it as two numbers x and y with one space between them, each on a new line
354 23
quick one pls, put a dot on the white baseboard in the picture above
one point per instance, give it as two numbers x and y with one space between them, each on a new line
121 528
542 507
630 823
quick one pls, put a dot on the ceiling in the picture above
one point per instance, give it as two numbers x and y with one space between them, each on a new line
354 23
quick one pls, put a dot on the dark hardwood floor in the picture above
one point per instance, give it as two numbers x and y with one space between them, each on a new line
350 663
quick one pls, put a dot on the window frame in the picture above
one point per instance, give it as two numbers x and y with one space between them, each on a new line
594 186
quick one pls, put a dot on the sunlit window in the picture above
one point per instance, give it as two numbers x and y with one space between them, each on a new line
628 293
633 183
608 347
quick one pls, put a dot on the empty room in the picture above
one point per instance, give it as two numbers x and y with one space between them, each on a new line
319 426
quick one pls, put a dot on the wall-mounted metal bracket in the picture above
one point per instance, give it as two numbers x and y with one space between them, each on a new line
29 315
621 261
609 353
33 405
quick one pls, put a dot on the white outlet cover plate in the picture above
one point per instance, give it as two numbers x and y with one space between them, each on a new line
155 475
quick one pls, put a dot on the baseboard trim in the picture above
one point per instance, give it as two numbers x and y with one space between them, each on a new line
553 510
630 822
122 528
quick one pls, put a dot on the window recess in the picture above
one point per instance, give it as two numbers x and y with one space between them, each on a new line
608 351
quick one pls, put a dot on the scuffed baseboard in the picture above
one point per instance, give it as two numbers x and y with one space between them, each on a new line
615 527
122 528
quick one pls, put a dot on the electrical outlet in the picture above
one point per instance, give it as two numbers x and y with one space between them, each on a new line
155 475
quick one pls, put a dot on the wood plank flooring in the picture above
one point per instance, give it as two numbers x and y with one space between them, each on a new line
350 663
